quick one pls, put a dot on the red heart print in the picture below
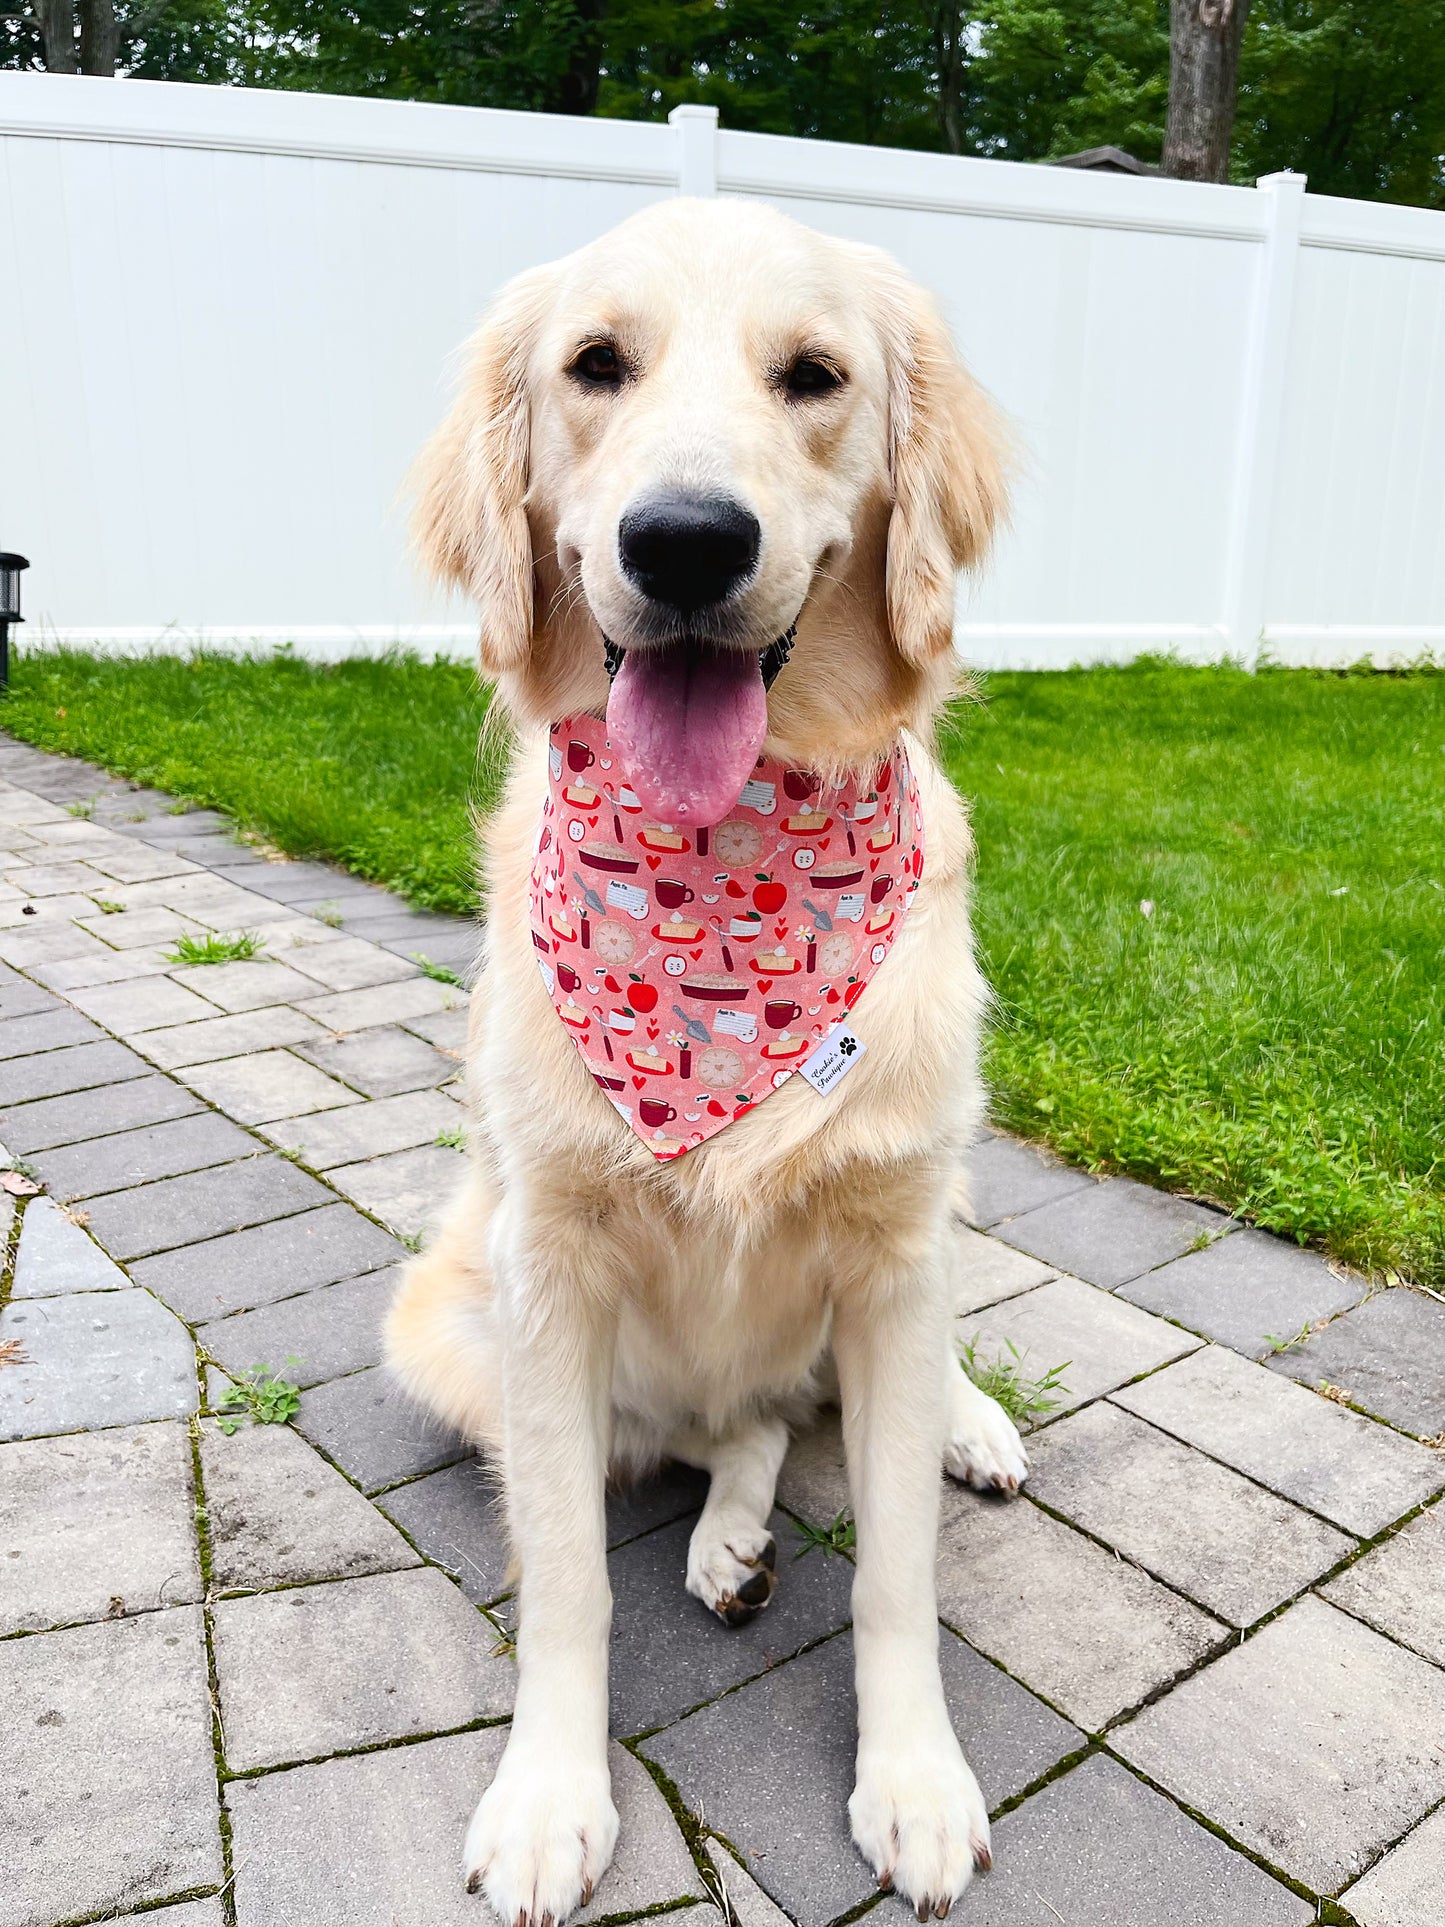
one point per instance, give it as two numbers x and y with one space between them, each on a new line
736 890
780 930
873 863
654 1030
653 861
824 841
765 984
695 954
592 822
556 945
714 1109
638 1082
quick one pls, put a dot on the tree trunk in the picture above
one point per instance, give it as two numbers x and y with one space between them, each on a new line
950 23
577 92
1204 37
99 38
57 36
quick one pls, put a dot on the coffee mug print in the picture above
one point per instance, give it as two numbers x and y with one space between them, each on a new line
716 964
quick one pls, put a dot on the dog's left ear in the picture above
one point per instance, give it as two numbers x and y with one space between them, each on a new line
946 457
469 525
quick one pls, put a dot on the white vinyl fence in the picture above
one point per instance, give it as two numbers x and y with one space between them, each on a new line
226 319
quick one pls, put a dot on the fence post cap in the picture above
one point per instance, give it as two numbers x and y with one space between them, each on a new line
1286 179
692 110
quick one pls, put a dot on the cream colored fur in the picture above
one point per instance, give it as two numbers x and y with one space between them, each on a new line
585 1306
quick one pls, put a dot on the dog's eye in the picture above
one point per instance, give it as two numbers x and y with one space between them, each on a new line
810 375
598 365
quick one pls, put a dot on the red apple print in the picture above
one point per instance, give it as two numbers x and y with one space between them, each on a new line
853 993
643 996
768 896
736 889
714 1109
832 996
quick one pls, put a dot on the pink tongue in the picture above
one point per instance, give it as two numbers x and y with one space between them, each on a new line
689 727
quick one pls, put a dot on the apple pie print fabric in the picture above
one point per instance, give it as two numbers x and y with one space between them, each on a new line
696 970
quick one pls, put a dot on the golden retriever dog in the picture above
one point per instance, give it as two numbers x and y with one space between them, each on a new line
701 432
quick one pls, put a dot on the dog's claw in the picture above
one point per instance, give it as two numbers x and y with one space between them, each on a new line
586 1892
474 1882
982 1857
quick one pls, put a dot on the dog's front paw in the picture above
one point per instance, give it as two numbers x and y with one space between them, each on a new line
541 1838
983 1448
730 1566
920 1822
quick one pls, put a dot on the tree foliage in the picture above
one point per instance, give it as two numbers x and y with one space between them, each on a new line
1351 92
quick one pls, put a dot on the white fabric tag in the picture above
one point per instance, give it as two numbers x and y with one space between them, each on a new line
832 1060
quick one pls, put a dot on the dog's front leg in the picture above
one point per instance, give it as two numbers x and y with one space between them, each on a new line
544 1832
917 1813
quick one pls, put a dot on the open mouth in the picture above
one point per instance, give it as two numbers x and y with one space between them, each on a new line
689 721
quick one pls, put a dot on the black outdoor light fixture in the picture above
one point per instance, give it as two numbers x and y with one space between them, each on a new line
10 569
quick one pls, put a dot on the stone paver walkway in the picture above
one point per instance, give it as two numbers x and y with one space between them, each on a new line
259 1679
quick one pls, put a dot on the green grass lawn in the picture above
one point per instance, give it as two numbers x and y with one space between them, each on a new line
1269 1033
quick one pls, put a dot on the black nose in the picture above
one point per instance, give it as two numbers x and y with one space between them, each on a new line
688 550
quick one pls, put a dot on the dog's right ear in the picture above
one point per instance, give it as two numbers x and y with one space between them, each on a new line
470 521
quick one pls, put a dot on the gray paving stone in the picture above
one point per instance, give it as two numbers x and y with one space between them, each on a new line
459 951
149 1004
377 1840
80 1068
247 984
407 1190
154 1151
746 1903
286 882
1101 1342
1100 1849
51 1121
144 928
669 1653
1245 1289
62 879
107 1781
349 963
44 940
249 1030
672 1492
1112 1232
986 1270
1404 1889
447 1029
281 1516
456 1518
1353 1472
384 1004
328 1332
1400 1586
189 1913
1005 1178
1389 1355
327 1668
265 1085
56 1257
136 862
373 1432
20 998
366 1130
176 825
245 1269
381 1062
1203 1529
102 966
1089 1632
814 1479
179 1211
771 1766
93 1519
49 1030
1316 1743
94 1359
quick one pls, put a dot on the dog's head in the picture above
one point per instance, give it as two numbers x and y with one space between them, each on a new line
706 427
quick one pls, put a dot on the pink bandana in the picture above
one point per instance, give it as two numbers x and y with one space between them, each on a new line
696 972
